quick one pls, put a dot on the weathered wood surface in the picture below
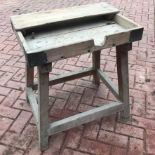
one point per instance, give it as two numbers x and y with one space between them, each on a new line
36 19
85 117
125 22
43 100
73 41
67 77
92 31
60 42
102 32
90 28
123 78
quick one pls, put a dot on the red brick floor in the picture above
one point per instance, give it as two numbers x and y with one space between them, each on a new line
108 136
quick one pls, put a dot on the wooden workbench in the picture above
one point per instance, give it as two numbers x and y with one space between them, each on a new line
50 36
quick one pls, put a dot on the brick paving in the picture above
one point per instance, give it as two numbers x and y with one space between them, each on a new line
106 136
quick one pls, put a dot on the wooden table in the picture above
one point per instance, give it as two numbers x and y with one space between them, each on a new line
54 35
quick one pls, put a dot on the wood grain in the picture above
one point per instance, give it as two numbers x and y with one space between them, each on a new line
36 19
85 117
123 78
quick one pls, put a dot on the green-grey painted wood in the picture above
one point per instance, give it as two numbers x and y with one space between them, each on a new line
85 117
43 100
123 78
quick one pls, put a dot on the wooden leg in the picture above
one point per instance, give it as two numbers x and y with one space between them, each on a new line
29 78
123 78
43 100
96 65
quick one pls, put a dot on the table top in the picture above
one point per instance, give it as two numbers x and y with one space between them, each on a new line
58 34
74 34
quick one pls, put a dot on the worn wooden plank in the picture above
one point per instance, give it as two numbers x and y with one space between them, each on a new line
60 38
108 82
33 103
123 78
70 50
30 20
43 100
67 77
125 22
117 39
136 31
85 117
23 42
96 66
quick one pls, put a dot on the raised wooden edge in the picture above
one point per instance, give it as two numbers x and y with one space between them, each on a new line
135 29
39 57
126 22
68 77
22 41
85 117
31 20
133 32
